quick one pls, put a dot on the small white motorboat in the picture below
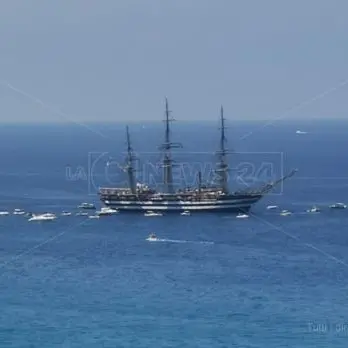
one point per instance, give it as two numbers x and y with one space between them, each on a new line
272 207
66 213
338 206
242 216
94 217
152 238
314 209
285 213
18 212
105 211
152 213
43 217
185 213
4 213
86 206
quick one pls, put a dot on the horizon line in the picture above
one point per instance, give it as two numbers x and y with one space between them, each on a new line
156 121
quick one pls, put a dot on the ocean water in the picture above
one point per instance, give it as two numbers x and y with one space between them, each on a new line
267 281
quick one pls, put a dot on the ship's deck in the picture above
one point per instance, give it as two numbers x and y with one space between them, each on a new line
119 195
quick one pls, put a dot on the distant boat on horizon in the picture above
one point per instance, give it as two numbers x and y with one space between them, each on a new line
300 132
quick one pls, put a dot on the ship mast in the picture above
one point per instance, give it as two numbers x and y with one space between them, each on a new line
129 166
166 147
199 182
222 166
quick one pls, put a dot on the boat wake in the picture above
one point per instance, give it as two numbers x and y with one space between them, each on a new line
165 240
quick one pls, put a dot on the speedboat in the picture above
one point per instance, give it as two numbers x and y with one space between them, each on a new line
43 217
86 206
3 213
94 217
338 206
285 213
66 213
314 209
185 213
152 238
242 216
18 212
105 211
152 213
271 207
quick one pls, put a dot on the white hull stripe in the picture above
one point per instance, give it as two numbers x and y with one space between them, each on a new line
181 203
183 207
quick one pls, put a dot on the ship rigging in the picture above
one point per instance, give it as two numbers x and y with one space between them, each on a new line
139 197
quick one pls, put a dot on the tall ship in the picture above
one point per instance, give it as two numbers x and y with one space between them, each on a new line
138 197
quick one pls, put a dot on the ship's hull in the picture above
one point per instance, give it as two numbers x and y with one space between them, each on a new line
233 204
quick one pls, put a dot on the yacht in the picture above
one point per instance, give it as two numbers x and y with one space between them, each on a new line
242 216
272 207
105 211
152 213
18 212
338 206
86 206
43 217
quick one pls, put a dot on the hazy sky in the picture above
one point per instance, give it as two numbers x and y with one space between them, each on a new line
117 59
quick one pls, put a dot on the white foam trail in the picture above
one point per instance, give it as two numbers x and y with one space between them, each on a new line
45 106
164 240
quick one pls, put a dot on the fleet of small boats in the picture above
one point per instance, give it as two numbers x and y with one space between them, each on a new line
107 211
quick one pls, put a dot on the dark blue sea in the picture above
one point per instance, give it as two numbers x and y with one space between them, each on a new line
266 281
